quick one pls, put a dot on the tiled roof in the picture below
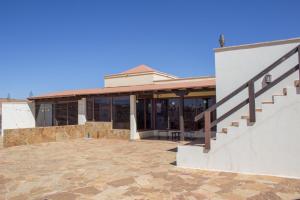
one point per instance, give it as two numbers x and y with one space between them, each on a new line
139 69
206 82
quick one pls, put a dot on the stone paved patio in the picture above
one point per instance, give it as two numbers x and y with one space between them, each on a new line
115 169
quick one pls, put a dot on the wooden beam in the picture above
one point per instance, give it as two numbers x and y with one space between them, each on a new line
252 117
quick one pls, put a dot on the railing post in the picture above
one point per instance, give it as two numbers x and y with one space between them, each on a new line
252 117
207 129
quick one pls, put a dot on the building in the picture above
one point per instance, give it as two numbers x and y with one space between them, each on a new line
144 100
15 113
252 128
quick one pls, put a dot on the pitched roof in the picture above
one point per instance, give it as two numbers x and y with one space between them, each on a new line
139 69
205 82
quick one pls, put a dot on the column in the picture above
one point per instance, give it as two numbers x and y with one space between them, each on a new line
181 119
82 111
133 127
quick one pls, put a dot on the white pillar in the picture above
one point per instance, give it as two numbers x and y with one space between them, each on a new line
82 111
133 127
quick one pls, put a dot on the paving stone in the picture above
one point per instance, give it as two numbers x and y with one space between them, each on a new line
120 169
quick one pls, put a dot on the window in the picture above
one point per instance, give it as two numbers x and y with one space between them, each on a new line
72 113
173 112
43 114
121 112
148 106
90 109
162 114
102 109
193 107
61 114
66 113
140 114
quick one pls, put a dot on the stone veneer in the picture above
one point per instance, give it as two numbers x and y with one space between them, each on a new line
16 137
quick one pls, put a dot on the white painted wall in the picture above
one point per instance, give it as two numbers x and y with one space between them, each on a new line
269 147
133 125
235 67
17 115
133 79
82 111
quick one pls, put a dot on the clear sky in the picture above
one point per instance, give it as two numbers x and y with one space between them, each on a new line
54 45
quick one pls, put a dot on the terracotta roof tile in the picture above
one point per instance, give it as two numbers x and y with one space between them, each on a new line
139 69
208 82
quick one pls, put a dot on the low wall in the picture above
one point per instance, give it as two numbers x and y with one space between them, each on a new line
16 137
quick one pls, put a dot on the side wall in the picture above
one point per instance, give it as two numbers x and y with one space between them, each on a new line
17 115
235 67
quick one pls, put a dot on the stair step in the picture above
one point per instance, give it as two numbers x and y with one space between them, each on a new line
236 124
258 110
245 117
267 102
279 94
224 130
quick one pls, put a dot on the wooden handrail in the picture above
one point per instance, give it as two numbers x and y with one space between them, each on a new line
251 95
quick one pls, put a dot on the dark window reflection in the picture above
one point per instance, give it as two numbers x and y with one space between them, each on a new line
162 114
173 111
121 112
102 109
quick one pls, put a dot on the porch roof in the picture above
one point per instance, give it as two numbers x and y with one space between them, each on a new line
197 84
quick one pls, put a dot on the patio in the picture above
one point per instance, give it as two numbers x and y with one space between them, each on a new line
118 169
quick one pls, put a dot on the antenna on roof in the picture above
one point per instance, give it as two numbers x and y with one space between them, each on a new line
222 40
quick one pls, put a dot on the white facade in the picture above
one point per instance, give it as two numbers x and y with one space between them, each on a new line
17 115
237 66
271 145
135 79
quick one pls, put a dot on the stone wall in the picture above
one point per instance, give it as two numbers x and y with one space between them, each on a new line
16 137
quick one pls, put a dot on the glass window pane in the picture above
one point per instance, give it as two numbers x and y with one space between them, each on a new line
162 114
72 113
43 115
173 111
148 113
102 109
121 112
61 114
140 111
89 109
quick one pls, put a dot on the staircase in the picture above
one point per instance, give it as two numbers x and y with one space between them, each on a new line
265 140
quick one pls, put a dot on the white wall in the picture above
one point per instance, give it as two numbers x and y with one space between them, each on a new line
133 79
235 67
82 111
17 115
269 147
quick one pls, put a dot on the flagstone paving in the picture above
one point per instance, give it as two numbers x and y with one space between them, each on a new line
116 169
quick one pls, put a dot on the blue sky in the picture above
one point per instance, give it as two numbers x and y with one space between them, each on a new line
54 45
